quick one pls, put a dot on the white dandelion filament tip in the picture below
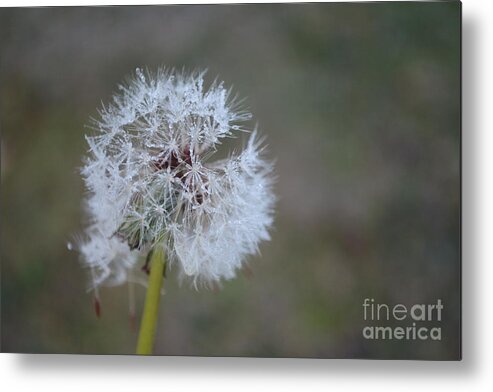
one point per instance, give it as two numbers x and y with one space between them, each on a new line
152 181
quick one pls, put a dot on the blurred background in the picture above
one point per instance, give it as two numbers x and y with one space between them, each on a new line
361 107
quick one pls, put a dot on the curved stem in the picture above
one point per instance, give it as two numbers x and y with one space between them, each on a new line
151 307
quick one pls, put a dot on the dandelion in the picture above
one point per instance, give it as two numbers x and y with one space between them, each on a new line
154 188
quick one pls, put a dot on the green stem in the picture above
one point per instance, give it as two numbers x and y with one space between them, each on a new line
151 307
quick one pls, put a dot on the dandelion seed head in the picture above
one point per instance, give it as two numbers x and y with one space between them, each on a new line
151 179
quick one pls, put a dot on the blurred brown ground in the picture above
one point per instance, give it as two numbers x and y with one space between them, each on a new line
361 107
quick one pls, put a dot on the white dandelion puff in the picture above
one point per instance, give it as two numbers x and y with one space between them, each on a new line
152 180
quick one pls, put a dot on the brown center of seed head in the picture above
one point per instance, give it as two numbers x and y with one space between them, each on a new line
173 161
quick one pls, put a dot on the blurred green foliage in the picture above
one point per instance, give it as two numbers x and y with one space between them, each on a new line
361 106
